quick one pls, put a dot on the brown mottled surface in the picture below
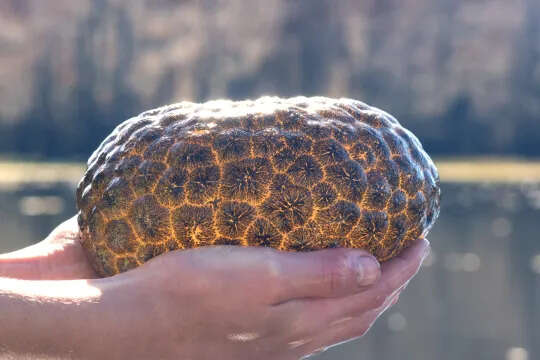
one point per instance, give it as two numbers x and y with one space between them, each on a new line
293 174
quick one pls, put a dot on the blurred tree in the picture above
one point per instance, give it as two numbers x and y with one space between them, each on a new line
37 132
464 76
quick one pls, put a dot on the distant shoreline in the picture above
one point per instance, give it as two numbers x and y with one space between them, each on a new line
14 173
488 170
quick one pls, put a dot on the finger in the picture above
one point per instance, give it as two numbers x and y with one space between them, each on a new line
323 274
56 240
68 231
58 257
347 329
404 267
396 273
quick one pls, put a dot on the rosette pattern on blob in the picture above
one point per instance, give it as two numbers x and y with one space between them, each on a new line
293 174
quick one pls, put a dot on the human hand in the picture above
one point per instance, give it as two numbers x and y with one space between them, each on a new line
229 302
250 303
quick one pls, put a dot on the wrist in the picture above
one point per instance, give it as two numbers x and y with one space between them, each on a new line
48 318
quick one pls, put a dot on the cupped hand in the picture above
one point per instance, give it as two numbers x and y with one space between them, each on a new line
225 302
252 303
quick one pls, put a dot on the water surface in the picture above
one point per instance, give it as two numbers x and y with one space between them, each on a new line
477 297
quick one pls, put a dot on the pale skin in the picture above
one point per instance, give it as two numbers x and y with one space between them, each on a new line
208 303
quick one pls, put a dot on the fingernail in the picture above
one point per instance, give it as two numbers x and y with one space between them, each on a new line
367 269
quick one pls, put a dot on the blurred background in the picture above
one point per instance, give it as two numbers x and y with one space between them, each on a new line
464 76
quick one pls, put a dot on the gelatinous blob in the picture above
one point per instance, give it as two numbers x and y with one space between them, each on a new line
300 239
291 119
345 133
329 151
232 145
288 208
233 218
125 263
370 137
280 182
120 237
117 197
171 187
298 143
267 143
151 220
149 251
339 219
158 150
283 159
127 167
147 176
227 241
262 233
203 184
324 194
397 229
192 225
349 179
397 202
246 179
96 225
188 156
370 230
363 155
103 260
145 136
416 208
378 190
295 174
305 171
318 131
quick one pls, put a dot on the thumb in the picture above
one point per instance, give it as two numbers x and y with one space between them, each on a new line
279 275
58 256
61 237
325 273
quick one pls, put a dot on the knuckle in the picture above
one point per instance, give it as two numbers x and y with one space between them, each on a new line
274 283
273 289
270 265
336 272
273 269
275 292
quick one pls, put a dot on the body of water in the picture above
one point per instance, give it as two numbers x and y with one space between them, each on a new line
477 297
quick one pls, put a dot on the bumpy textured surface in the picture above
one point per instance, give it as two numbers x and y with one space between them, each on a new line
293 174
